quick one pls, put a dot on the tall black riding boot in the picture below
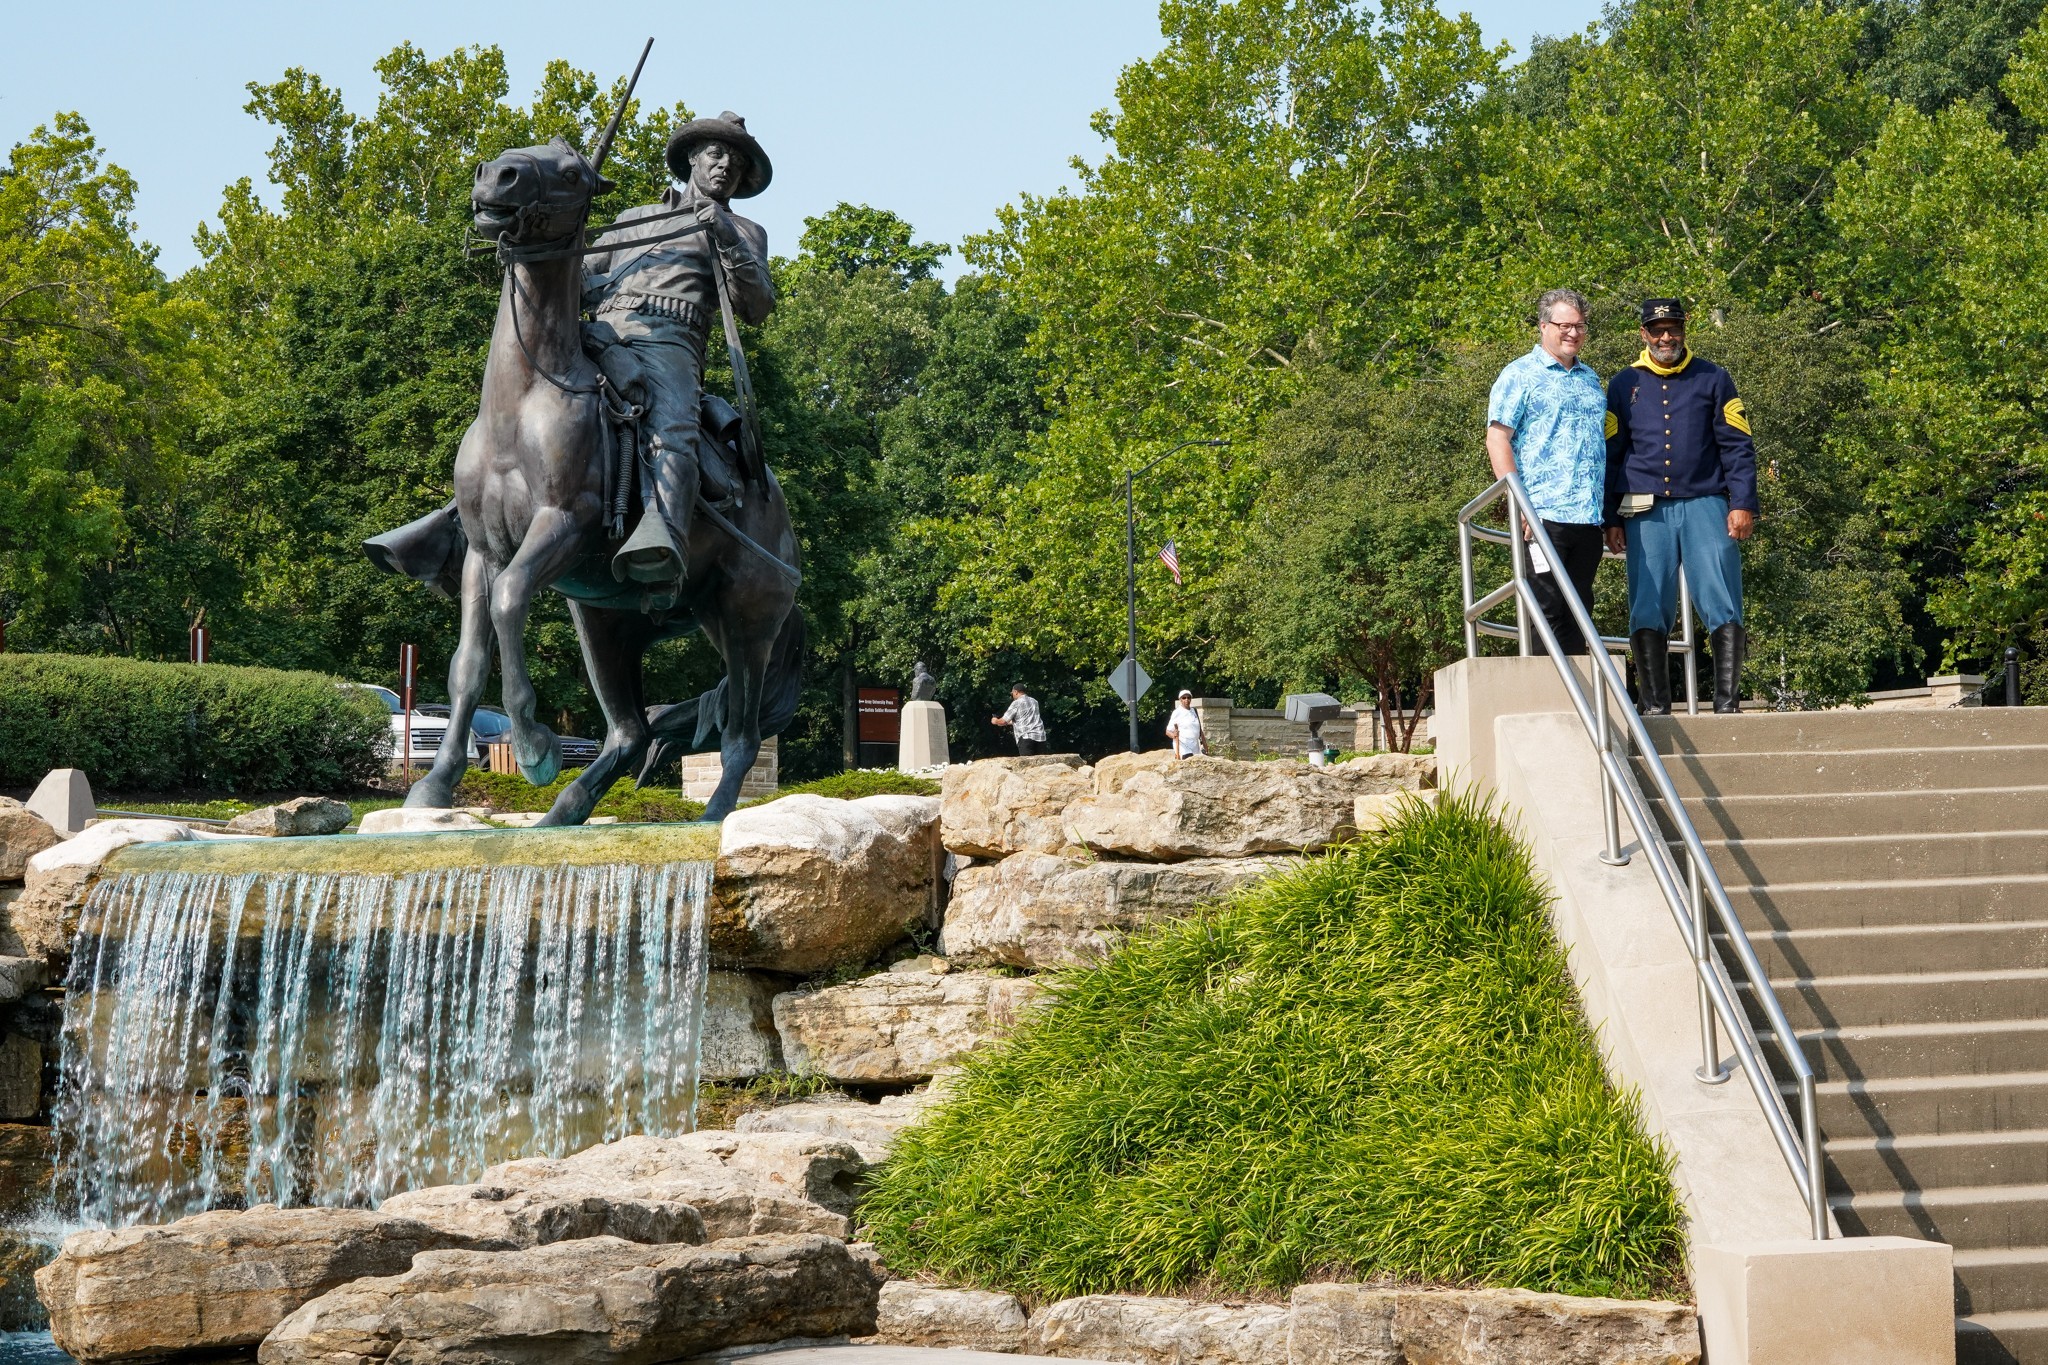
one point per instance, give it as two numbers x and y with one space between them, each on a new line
1652 650
1729 644
655 552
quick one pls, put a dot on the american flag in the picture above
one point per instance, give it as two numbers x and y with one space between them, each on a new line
1170 557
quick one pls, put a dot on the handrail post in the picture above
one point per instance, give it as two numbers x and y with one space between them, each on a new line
1692 644
1518 551
1610 816
1710 1072
1816 1171
1465 571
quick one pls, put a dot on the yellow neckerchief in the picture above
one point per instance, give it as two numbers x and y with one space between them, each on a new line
1643 362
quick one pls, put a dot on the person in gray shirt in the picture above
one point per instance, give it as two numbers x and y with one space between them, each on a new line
1023 721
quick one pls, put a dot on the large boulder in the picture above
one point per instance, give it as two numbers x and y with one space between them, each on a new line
42 921
895 1028
1001 806
912 1314
808 883
1153 806
736 1184
23 834
419 820
299 817
216 1281
1038 911
871 1129
600 1301
1360 1324
1148 1331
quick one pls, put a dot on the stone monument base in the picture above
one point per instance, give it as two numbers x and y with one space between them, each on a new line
921 742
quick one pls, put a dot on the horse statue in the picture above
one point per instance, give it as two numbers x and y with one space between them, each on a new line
543 486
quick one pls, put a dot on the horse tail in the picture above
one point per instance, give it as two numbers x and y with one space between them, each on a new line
781 690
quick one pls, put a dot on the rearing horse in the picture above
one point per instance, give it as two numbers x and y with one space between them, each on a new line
535 480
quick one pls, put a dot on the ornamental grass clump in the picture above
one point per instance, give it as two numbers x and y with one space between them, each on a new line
1372 1067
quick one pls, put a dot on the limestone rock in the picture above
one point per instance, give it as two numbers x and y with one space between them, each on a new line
1001 806
23 1251
1035 910
1150 806
1148 1331
912 1314
21 1077
1407 772
43 920
871 1129
418 820
23 834
808 883
20 977
1378 810
736 1184
64 798
739 1040
896 1027
589 1302
1357 1324
215 1281
300 816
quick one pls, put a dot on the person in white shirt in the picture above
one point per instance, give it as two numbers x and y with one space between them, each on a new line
1024 720
1185 729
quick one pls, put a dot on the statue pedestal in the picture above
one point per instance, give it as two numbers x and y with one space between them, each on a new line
921 741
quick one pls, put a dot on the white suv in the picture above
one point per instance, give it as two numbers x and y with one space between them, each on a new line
427 731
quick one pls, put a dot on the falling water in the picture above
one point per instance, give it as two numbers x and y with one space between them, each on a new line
334 1038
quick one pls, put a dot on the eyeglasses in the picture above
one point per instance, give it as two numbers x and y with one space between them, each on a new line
1568 328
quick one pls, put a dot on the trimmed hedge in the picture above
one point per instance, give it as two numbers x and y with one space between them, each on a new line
138 726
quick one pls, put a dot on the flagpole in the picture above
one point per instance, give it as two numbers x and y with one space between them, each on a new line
1131 579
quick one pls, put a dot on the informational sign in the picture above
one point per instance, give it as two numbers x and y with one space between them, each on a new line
1120 681
880 715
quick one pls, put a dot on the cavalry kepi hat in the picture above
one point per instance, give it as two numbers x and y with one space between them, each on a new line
1663 310
730 129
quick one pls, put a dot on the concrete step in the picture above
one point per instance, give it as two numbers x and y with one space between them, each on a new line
1979 1216
1893 1051
1872 857
1911 998
1840 815
2002 1280
1918 901
1777 732
1863 1165
1901 948
1912 1106
1857 770
2002 1338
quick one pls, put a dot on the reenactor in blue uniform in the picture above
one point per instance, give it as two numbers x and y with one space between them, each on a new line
1681 490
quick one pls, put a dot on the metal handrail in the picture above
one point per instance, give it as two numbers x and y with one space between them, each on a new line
1690 893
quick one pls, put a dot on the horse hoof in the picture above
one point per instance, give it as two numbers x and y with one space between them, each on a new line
543 772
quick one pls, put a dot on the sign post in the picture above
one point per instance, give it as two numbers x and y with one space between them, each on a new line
408 664
201 643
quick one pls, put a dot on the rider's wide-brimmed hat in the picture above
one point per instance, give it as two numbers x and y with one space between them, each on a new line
730 129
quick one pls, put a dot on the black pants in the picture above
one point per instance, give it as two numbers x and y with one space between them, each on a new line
1580 547
1030 746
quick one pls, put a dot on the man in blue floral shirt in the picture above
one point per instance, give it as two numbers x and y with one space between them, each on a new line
1546 419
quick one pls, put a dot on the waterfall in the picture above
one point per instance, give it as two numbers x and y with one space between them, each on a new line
335 1038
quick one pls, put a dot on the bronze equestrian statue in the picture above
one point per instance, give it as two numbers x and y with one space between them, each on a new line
587 431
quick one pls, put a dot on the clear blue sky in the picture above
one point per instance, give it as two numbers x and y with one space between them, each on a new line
940 112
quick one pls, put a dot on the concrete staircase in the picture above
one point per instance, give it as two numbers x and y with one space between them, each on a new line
1892 871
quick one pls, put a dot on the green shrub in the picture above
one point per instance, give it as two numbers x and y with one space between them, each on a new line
851 786
1371 1067
143 726
630 803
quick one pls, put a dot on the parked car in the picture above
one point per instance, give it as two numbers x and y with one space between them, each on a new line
492 726
428 730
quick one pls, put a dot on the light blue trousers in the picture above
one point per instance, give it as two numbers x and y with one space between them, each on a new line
1692 532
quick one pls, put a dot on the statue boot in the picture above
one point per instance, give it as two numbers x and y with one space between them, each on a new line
1652 650
655 552
1730 643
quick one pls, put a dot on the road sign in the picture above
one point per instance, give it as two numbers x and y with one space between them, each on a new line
1120 681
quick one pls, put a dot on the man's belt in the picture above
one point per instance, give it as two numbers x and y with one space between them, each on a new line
657 305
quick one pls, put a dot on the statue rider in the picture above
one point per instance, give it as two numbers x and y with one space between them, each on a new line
655 306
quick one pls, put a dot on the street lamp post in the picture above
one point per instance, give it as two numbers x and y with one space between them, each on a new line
1131 579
